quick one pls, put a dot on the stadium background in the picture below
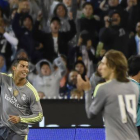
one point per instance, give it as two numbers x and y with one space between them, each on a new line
71 122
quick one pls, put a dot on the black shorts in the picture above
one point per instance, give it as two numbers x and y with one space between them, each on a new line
11 135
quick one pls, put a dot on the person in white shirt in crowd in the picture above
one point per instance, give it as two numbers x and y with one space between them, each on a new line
47 82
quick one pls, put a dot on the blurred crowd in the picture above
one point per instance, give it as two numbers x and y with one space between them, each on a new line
64 38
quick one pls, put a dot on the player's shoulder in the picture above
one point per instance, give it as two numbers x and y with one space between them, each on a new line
134 85
33 91
100 87
104 84
5 75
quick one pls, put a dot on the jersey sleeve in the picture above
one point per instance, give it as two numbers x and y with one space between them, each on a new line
99 100
3 77
35 106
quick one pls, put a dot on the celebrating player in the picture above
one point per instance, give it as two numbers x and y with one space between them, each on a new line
19 101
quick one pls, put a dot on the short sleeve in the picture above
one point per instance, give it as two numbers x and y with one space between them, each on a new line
98 101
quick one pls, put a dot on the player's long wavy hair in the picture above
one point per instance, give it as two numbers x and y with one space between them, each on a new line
117 61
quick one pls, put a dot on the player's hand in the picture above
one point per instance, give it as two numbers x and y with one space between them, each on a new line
83 85
14 119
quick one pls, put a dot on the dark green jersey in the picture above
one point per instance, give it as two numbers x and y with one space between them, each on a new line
19 101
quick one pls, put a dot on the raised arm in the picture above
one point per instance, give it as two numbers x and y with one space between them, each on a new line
61 66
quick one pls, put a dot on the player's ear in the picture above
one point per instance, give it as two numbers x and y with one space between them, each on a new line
13 68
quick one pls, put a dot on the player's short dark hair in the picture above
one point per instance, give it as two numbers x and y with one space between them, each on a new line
134 65
87 3
117 61
16 61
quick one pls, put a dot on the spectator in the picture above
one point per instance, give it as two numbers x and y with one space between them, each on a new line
113 35
134 16
130 4
6 42
114 5
77 94
71 90
81 68
48 80
24 33
68 4
61 12
4 5
1 13
71 83
86 51
55 42
64 79
134 43
88 22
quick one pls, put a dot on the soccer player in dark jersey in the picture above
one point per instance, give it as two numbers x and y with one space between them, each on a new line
20 103
117 98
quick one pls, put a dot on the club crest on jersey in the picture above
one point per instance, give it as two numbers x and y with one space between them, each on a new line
23 97
15 93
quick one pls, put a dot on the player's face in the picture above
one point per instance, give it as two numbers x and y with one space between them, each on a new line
105 70
21 70
45 70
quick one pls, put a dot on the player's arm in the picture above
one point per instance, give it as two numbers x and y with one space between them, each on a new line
95 106
2 77
36 110
88 102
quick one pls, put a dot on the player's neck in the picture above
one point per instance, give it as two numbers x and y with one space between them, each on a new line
112 76
20 82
